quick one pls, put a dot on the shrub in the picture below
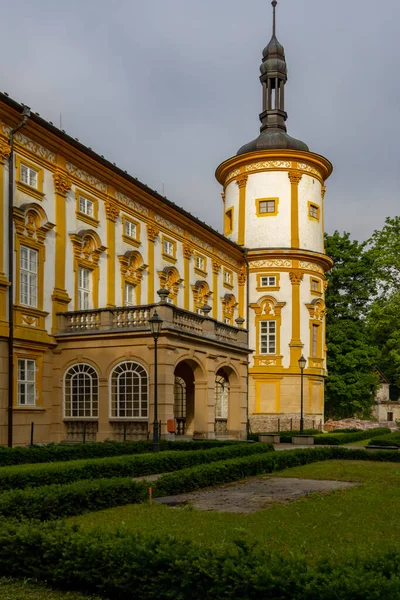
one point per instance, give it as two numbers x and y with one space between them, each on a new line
286 436
63 452
336 439
20 477
126 566
392 439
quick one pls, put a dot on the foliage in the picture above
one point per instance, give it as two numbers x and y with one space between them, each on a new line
60 452
22 476
392 439
385 245
127 567
27 590
352 284
384 331
336 439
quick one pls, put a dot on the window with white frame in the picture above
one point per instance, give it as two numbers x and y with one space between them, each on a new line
169 248
29 176
130 229
314 348
28 276
200 263
81 392
269 281
227 277
86 206
84 288
129 391
129 294
26 382
267 337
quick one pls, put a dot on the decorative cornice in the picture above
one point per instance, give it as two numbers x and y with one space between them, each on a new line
30 145
83 176
4 151
295 177
187 251
242 181
62 182
296 278
323 191
112 210
216 267
168 224
152 233
139 208
242 277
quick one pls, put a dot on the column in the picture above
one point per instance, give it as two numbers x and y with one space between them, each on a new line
242 182
60 297
296 345
152 234
295 178
112 213
242 294
4 154
216 267
323 190
187 254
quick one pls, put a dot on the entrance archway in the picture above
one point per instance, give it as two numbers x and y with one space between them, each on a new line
184 399
221 402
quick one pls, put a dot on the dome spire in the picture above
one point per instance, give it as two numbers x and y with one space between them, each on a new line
273 133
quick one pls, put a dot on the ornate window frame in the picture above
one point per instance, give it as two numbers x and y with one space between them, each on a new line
315 292
201 294
269 288
170 280
225 272
81 216
229 304
114 389
317 311
132 268
197 270
87 249
35 192
268 309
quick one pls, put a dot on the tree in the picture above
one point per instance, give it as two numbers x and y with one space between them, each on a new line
385 245
352 285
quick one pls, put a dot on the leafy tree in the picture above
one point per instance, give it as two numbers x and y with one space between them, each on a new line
352 286
386 252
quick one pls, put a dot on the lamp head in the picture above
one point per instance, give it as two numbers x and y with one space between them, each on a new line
155 324
302 362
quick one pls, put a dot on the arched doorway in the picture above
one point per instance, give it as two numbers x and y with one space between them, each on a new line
221 402
184 399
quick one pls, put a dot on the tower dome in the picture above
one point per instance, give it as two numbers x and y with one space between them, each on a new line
273 133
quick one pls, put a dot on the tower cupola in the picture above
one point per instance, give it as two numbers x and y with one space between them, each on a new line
273 133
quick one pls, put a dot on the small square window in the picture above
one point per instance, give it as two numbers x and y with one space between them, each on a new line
314 285
29 176
86 206
130 229
268 281
313 211
267 206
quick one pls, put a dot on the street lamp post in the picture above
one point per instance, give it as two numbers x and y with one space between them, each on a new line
302 365
155 327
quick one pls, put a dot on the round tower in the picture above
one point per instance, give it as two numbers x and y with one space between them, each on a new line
273 196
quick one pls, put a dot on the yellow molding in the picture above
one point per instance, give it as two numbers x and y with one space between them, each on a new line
60 296
23 187
268 288
111 253
93 221
216 269
242 181
267 214
321 260
294 177
229 220
296 344
186 276
315 280
227 272
310 206
265 380
133 241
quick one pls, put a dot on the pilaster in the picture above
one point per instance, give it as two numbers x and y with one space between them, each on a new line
152 234
187 255
295 178
216 267
4 154
242 291
242 183
296 345
112 213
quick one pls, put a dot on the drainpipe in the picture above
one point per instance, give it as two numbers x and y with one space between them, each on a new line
26 113
248 330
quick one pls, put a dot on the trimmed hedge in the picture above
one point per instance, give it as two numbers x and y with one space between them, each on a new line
62 452
128 566
23 476
336 439
286 436
56 501
392 439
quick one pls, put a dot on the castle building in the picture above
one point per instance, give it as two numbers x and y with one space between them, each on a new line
93 252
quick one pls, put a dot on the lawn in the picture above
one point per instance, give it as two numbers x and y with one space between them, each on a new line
359 443
25 590
360 520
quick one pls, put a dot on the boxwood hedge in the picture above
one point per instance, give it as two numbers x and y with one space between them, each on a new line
22 476
125 566
391 439
336 439
60 452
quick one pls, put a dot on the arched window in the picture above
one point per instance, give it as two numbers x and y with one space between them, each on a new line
129 391
180 398
81 392
221 397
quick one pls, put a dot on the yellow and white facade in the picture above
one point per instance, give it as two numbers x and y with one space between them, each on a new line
93 246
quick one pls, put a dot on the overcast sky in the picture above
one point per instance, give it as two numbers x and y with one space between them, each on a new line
168 89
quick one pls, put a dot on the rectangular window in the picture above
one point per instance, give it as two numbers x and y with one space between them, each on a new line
268 281
313 211
168 248
227 277
200 263
86 206
229 221
314 349
28 276
84 288
266 206
29 176
314 285
390 417
26 382
130 229
129 294
267 337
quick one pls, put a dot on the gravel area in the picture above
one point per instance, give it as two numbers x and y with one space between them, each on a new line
253 494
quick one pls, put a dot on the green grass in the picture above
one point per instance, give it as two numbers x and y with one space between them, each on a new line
359 443
25 590
362 519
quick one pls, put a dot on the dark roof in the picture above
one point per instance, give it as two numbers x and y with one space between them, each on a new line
74 142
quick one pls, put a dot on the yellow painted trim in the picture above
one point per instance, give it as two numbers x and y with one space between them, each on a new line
197 270
111 255
225 272
318 291
168 257
294 177
229 220
242 306
186 276
267 214
242 183
127 238
216 265
268 309
23 187
319 357
93 221
60 297
268 288
311 205
296 345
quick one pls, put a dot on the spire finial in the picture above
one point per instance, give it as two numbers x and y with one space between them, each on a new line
274 3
